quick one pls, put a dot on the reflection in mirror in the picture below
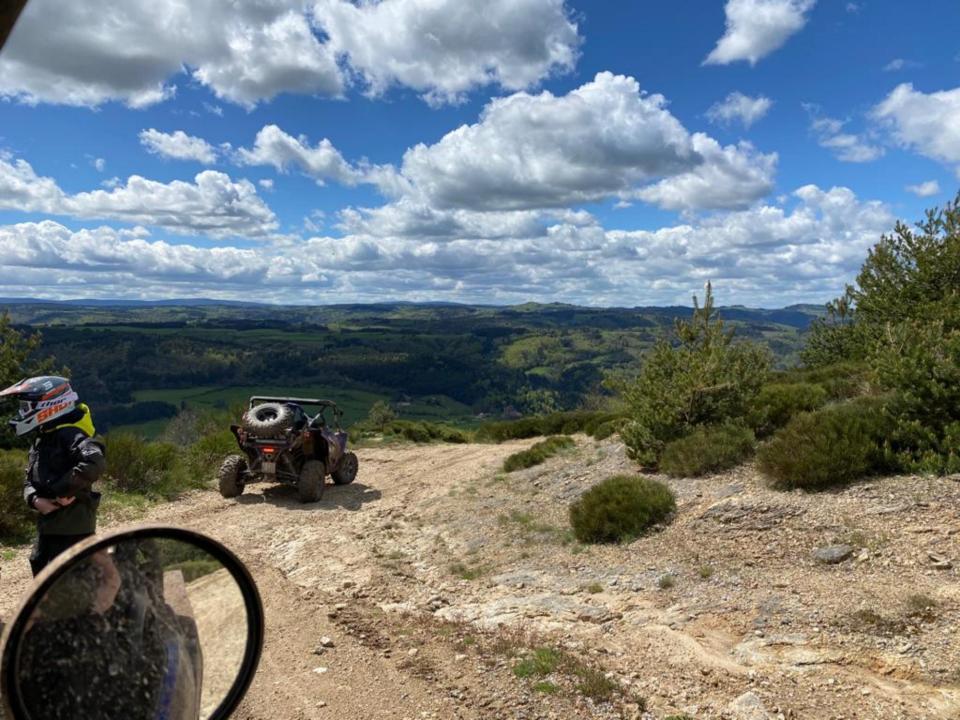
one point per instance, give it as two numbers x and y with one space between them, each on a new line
147 628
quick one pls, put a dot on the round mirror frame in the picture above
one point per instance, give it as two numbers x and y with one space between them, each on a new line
13 633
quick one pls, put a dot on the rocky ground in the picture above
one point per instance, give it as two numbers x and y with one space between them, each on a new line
436 587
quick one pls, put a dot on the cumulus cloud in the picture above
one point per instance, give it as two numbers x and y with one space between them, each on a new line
737 106
443 48
924 122
275 148
601 140
846 147
247 52
924 189
767 255
178 145
755 28
128 50
729 177
213 204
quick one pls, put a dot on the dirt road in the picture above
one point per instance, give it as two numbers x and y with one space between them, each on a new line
436 579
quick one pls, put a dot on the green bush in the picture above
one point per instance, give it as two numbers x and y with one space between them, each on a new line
832 446
920 364
620 509
608 428
537 454
412 430
777 403
16 519
901 319
561 423
707 450
842 380
703 378
381 414
138 466
202 459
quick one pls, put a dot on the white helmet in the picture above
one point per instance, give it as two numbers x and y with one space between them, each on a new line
42 400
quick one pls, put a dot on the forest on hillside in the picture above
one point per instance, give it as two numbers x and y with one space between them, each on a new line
141 363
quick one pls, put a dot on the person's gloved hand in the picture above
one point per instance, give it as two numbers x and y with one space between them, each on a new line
45 506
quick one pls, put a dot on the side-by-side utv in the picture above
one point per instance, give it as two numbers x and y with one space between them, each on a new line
282 442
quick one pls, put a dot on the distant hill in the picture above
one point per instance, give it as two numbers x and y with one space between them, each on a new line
30 310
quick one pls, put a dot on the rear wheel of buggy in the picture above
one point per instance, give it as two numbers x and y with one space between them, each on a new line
268 420
230 475
311 482
346 471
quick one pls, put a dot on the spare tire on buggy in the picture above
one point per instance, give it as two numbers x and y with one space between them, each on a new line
268 420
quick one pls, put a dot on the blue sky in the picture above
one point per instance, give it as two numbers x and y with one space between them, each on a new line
599 153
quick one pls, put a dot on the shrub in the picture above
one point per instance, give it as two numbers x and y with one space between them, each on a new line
539 453
620 509
413 430
16 519
706 378
204 456
920 364
135 465
608 428
381 414
777 403
902 318
832 446
561 423
707 450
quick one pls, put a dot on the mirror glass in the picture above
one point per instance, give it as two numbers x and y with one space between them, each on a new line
147 628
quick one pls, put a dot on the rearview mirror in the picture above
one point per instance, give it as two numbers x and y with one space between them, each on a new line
146 623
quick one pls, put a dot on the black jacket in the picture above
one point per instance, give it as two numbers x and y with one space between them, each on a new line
65 462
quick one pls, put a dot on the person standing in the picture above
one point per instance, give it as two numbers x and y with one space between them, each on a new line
65 460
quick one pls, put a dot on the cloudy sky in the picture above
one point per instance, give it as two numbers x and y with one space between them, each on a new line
605 153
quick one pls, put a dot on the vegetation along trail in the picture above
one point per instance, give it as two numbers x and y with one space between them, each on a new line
436 586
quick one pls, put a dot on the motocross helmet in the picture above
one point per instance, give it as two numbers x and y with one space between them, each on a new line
42 400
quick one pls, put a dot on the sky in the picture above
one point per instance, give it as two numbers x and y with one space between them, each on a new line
614 153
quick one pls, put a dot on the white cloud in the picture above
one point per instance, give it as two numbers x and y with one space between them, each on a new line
99 164
847 147
444 48
737 106
128 50
212 205
265 183
246 52
925 189
928 123
276 148
755 28
282 55
898 64
728 177
766 255
178 145
601 140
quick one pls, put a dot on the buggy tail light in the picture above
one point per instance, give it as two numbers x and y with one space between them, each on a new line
269 450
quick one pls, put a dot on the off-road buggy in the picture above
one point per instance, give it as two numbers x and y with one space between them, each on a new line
281 442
